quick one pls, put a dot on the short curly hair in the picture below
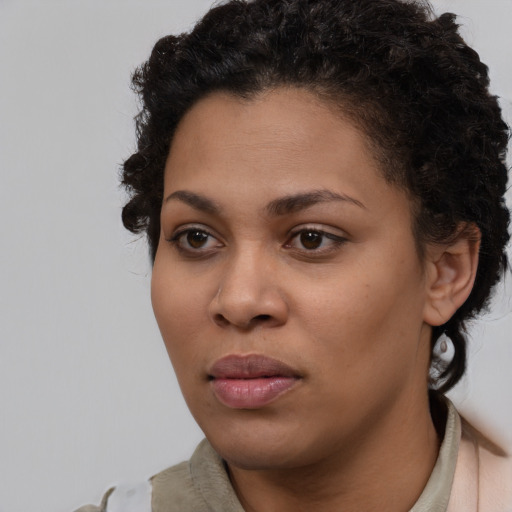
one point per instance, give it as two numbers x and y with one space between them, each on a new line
403 75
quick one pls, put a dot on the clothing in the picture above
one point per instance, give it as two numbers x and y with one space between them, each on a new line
470 475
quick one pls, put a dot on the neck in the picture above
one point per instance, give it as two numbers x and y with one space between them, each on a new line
383 470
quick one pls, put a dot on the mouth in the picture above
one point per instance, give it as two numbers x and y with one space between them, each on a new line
251 381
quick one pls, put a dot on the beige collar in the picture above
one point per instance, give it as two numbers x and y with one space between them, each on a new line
470 474
211 479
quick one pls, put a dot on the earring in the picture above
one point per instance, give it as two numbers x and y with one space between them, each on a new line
444 346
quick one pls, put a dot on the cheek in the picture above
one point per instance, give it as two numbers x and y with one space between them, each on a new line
371 315
180 309
358 350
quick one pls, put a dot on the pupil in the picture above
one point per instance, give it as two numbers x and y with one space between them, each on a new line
311 240
196 239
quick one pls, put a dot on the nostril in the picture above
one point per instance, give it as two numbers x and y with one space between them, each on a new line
262 318
220 319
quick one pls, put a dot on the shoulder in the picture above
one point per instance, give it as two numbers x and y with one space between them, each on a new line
185 486
171 490
101 508
124 498
483 474
494 470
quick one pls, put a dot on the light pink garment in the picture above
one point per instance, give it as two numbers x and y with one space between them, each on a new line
483 476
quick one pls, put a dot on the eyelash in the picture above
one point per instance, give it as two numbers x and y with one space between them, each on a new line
336 241
176 238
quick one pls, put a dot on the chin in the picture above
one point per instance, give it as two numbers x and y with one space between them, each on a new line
259 456
264 444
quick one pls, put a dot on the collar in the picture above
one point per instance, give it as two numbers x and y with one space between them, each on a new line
211 478
436 494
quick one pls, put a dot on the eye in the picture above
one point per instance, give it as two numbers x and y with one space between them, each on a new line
314 241
194 241
195 238
311 239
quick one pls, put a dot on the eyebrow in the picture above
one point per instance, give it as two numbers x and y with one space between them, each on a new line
297 202
196 201
276 208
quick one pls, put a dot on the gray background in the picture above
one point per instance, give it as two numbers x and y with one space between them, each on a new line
87 395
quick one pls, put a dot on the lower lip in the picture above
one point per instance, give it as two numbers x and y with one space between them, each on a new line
251 393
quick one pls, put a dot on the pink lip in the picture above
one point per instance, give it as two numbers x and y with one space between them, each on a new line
250 382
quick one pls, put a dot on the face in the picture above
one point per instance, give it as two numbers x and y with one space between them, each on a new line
287 285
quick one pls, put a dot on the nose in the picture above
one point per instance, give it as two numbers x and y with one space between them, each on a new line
249 294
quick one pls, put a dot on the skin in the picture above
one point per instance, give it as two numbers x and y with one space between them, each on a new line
350 311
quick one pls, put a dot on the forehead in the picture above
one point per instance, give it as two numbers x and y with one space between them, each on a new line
278 143
288 123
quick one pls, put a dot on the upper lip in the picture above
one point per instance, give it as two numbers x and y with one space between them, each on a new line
250 366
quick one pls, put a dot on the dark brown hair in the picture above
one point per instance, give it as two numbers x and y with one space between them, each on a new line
406 77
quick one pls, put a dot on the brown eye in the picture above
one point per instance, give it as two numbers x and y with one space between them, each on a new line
197 239
315 242
195 242
311 239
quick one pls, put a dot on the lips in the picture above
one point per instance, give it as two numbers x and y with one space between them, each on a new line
250 382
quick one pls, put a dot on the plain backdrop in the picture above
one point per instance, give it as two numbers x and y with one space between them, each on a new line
87 395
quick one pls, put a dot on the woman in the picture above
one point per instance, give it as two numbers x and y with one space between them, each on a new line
321 184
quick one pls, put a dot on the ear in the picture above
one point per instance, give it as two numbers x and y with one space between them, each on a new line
450 274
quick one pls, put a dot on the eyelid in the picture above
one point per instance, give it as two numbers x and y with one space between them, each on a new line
319 228
332 239
185 228
336 240
182 230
